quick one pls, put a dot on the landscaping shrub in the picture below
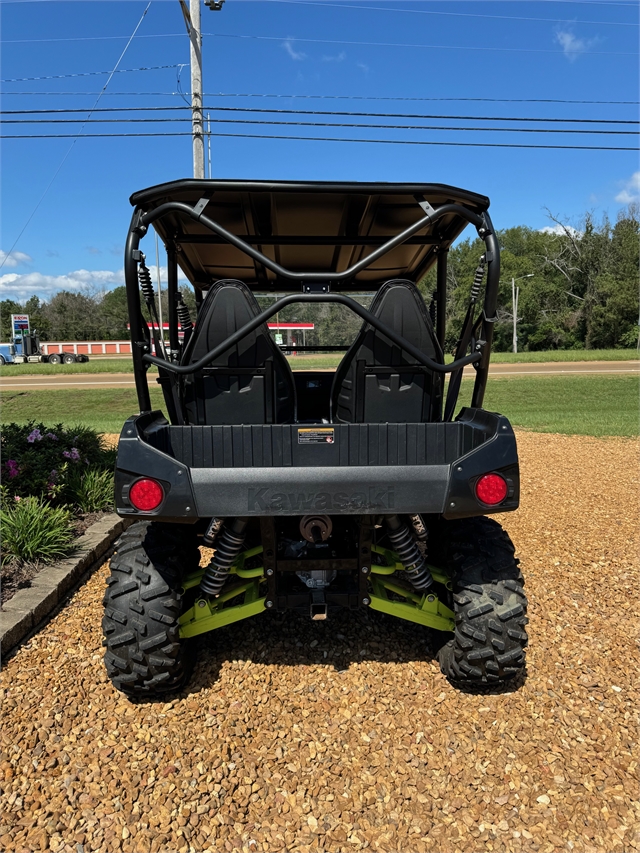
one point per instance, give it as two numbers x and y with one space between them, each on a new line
93 491
52 463
34 530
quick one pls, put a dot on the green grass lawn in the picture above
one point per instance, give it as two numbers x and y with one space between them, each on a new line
575 405
565 355
331 360
327 361
102 365
580 405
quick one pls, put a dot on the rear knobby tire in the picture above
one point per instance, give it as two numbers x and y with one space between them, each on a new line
488 646
144 655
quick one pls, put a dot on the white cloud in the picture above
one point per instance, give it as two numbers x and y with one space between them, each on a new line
13 259
294 54
630 190
340 57
94 282
21 287
562 230
573 46
363 67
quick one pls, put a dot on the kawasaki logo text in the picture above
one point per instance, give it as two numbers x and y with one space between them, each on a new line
261 500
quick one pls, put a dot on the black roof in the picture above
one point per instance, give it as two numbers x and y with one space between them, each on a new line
316 226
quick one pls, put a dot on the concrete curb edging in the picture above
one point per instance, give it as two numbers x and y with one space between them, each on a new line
49 588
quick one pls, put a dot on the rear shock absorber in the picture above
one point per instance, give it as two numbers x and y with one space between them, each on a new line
229 545
407 549
184 318
477 281
183 315
146 285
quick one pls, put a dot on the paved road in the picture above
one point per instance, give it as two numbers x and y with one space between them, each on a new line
125 380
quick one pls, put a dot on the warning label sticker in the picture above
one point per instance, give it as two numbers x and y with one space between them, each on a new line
316 435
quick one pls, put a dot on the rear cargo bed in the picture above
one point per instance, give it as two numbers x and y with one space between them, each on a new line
289 469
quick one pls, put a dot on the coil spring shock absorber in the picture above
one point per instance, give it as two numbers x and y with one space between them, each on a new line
477 280
410 555
184 317
146 285
230 544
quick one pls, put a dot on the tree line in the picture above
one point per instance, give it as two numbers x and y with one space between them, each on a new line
578 289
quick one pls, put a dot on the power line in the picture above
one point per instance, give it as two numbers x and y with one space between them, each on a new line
90 38
292 39
349 6
69 150
344 97
322 113
392 98
453 14
86 74
587 131
325 139
425 116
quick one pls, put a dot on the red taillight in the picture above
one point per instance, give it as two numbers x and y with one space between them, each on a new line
491 489
146 495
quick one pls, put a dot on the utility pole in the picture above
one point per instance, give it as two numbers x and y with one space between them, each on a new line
195 37
515 293
192 20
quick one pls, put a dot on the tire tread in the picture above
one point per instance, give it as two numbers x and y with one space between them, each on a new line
144 655
488 646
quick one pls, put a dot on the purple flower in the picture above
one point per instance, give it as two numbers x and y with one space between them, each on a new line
73 454
36 435
52 436
13 469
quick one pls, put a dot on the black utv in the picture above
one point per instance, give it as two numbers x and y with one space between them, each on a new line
356 488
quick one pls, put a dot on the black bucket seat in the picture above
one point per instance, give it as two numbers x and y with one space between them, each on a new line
376 381
251 382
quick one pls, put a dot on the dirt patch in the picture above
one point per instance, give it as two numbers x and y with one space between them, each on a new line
297 735
18 575
110 439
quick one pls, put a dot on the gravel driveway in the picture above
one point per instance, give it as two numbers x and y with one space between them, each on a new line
343 736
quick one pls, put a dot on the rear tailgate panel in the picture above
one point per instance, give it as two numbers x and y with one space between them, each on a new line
289 469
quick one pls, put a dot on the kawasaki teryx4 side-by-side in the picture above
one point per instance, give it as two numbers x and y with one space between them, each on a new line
359 488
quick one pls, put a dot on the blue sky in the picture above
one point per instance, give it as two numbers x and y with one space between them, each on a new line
383 53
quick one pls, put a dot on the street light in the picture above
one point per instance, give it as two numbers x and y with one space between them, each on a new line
515 293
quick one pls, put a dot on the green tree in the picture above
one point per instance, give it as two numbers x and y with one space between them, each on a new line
7 308
71 316
113 314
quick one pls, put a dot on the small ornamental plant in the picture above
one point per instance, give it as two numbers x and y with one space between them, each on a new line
33 531
49 475
53 464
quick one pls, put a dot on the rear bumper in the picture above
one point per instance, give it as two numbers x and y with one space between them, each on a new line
364 469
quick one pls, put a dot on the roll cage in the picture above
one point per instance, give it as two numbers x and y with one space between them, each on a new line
212 230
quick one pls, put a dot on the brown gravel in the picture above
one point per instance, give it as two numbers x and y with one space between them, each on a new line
343 736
